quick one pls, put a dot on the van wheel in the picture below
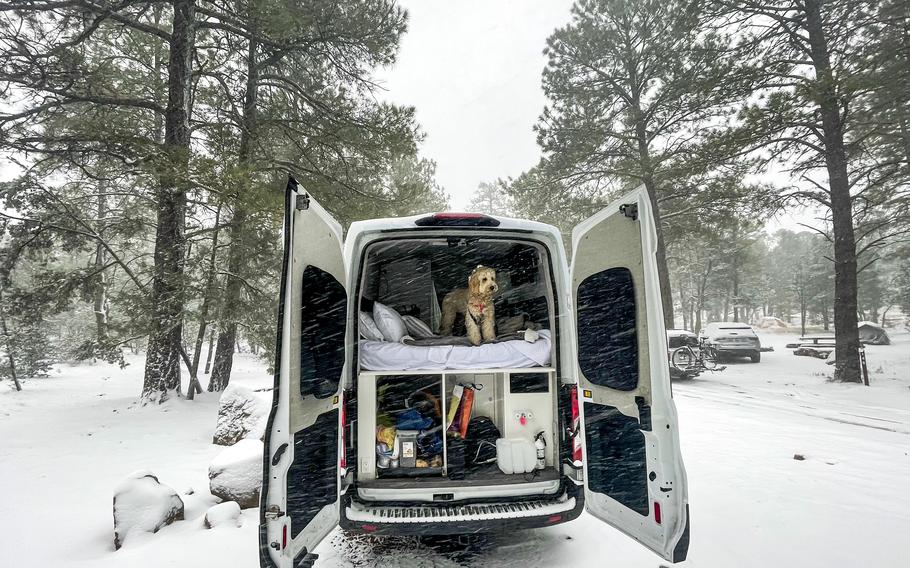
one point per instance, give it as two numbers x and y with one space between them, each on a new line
755 357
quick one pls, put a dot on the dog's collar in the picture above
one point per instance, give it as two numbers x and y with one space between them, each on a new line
479 306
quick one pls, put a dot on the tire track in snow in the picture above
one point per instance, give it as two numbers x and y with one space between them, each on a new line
750 401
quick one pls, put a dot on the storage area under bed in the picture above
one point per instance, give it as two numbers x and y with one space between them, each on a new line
404 416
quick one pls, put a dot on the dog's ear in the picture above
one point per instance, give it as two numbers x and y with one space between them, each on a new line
473 283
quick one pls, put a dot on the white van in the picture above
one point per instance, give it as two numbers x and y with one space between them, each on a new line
594 385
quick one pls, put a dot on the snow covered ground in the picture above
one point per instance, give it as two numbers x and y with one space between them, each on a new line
66 441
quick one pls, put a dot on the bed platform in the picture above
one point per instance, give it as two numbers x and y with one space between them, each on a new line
514 354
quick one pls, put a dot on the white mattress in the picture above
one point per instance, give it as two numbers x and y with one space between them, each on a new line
386 356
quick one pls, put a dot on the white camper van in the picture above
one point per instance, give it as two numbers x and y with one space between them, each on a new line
589 387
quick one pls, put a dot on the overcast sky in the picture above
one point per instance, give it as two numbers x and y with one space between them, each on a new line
472 69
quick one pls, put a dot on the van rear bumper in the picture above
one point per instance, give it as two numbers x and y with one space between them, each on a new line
460 518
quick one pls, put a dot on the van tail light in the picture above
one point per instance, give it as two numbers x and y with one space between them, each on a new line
657 512
284 537
576 426
342 458
457 220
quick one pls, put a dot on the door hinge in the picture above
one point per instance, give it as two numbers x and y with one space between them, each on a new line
303 202
273 512
630 210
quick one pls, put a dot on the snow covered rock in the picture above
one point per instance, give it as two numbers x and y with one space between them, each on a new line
242 413
223 514
236 473
143 504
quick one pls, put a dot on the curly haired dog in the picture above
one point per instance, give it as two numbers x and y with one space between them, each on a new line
476 303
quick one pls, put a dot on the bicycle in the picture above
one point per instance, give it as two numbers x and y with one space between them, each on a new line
691 361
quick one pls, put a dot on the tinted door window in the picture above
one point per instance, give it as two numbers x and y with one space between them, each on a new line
323 320
607 336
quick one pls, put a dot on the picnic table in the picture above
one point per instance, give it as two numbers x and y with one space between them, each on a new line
813 346
821 346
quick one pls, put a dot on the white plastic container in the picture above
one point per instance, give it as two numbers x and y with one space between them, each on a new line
516 455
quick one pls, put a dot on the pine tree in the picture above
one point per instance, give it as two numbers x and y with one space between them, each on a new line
631 85
307 71
808 62
492 199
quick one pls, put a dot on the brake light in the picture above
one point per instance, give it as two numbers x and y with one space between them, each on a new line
553 519
284 537
342 459
657 512
576 426
457 220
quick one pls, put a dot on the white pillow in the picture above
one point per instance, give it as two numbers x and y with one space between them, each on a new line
368 328
417 328
389 322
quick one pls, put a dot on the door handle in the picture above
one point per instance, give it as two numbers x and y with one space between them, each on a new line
644 413
278 453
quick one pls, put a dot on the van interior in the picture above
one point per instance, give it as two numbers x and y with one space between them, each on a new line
421 430
413 276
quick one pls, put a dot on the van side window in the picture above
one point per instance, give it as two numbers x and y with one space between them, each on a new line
323 318
607 336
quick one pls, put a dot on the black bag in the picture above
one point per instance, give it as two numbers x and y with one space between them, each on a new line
480 441
455 456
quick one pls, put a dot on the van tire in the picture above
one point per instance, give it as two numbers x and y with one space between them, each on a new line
755 357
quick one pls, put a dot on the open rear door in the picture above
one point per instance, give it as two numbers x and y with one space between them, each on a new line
634 475
300 503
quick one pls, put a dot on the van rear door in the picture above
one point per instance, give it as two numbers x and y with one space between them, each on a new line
299 504
634 475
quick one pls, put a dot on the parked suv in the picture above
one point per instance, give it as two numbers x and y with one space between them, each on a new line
732 339
587 385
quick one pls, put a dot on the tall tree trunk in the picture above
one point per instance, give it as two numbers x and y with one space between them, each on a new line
846 333
663 271
9 351
685 315
211 350
227 336
162 365
208 291
647 169
99 288
702 288
803 310
224 352
735 288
